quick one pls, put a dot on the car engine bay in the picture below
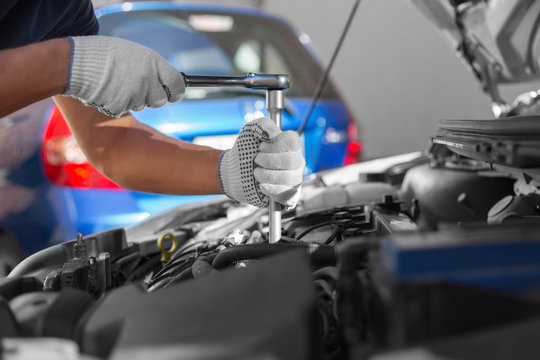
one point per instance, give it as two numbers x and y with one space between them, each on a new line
436 250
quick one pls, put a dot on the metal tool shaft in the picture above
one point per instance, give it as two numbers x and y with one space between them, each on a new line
275 105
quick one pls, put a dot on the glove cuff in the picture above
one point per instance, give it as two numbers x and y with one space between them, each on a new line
237 180
88 59
226 166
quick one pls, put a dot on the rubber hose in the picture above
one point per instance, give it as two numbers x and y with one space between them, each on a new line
52 256
203 266
320 256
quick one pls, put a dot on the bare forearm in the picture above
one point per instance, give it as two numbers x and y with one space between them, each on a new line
140 158
33 72
145 160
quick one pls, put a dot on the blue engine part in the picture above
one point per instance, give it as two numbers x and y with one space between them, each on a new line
499 258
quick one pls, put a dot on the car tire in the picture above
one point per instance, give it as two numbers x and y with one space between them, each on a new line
11 254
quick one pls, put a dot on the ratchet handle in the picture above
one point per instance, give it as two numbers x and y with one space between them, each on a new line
250 81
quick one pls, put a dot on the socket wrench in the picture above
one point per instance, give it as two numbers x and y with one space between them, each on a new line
274 86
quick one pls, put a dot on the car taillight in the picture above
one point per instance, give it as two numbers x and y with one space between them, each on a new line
354 146
64 162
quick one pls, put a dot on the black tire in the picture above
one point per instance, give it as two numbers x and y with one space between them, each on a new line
11 254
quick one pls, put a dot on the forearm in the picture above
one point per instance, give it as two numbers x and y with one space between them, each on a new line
33 72
140 158
145 160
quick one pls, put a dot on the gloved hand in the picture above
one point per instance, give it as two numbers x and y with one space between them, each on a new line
264 163
116 75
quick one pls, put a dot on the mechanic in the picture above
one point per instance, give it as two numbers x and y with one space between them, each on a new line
50 48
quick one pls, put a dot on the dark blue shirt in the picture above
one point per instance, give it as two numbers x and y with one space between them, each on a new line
26 21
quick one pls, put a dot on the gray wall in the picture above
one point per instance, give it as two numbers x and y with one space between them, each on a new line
396 72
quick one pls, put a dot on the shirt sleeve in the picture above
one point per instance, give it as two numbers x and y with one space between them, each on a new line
25 22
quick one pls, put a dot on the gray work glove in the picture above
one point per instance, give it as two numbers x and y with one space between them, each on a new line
116 75
264 163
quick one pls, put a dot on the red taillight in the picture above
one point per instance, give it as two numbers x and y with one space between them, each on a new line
354 146
64 162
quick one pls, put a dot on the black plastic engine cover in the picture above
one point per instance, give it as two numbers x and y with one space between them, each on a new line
451 195
263 311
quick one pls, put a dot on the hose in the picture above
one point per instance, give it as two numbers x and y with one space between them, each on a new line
314 227
320 256
203 266
52 256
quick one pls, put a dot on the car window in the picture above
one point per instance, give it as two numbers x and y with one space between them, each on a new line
185 48
259 58
248 57
218 43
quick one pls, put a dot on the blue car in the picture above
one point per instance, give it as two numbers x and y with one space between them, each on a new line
49 191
